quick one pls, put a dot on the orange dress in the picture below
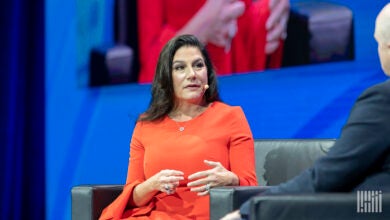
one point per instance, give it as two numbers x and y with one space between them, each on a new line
221 133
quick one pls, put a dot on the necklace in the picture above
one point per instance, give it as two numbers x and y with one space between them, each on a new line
182 126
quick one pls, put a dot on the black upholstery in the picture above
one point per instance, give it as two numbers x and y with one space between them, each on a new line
88 201
226 199
277 160
318 32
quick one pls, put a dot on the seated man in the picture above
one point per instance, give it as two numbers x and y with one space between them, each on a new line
360 158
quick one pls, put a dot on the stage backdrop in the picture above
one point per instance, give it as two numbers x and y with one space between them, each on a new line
88 129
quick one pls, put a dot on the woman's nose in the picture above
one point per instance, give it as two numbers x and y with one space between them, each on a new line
191 73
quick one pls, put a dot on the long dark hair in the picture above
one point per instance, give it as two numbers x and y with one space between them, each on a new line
163 98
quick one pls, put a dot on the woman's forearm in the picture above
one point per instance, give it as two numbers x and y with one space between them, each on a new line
143 193
199 24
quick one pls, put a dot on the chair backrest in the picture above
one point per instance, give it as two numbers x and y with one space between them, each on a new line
126 30
278 160
318 32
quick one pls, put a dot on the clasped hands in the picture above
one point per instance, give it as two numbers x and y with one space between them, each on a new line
220 16
222 22
200 182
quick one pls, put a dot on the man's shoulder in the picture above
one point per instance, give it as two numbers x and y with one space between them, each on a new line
378 94
383 88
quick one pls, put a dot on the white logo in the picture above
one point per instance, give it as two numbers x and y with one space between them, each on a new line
369 201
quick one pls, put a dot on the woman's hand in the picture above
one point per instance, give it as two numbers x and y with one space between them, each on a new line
215 22
232 216
217 176
277 24
223 27
167 180
164 181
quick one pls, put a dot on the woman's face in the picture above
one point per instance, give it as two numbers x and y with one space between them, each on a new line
189 74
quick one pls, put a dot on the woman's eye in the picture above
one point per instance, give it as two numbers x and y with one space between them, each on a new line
178 68
199 66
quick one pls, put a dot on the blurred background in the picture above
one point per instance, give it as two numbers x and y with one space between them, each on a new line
58 131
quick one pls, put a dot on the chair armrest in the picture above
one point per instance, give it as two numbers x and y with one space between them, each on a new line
329 206
88 201
227 199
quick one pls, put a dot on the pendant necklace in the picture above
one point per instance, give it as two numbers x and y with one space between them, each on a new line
181 127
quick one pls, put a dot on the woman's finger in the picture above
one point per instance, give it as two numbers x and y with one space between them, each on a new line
278 10
198 175
271 47
198 182
275 33
202 190
232 11
212 163
167 188
172 172
232 216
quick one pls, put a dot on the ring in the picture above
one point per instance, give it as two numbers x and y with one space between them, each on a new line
166 187
207 187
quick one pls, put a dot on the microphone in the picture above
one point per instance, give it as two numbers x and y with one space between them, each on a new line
206 87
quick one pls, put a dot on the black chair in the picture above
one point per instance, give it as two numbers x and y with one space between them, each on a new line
88 201
277 160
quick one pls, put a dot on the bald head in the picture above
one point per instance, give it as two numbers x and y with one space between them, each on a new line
382 25
382 36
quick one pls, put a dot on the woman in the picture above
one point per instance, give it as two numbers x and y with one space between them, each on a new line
241 35
187 141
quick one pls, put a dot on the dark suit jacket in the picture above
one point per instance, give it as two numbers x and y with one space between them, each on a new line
360 158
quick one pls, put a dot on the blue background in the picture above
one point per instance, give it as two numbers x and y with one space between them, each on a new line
88 129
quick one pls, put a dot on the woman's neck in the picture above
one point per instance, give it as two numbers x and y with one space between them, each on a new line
187 111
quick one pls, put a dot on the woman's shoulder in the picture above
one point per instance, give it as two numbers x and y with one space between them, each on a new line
150 123
226 108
